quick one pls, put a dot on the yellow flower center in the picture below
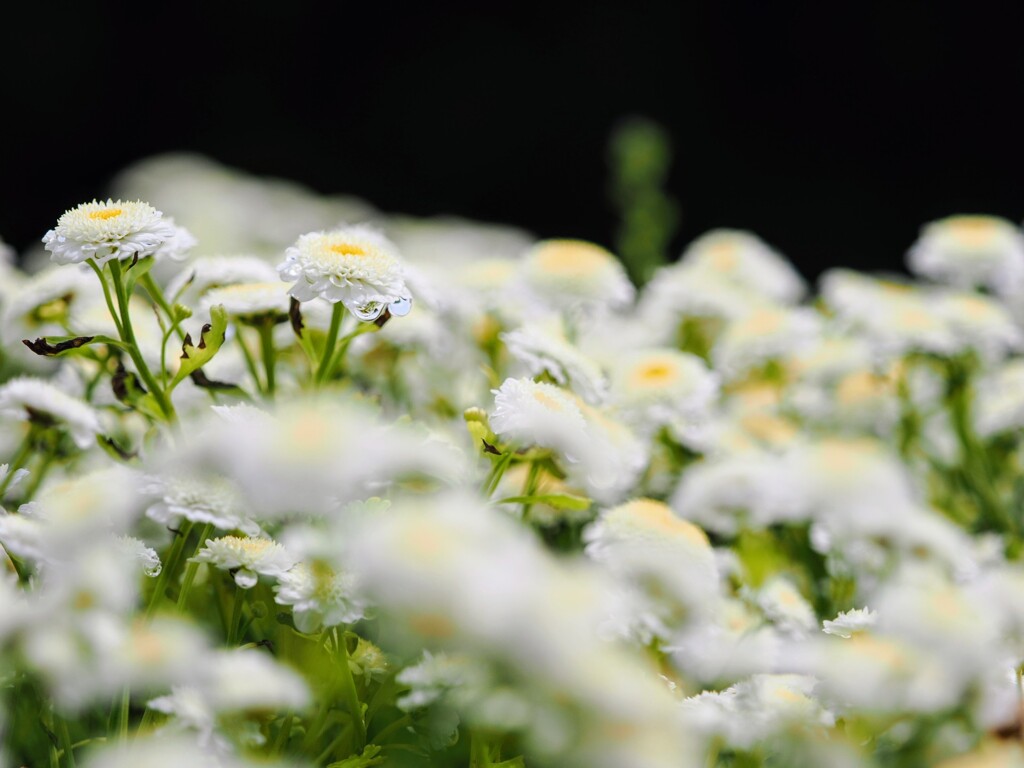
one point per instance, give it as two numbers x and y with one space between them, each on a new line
571 257
347 249
722 257
106 213
251 546
658 517
973 230
761 321
654 374
859 387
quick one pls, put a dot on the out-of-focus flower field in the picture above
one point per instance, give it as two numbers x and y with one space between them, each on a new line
293 482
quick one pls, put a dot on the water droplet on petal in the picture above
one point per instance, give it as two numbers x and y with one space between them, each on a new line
402 307
369 311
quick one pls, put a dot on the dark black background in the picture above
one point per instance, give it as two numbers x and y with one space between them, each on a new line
834 131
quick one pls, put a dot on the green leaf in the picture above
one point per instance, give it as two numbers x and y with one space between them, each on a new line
135 270
53 346
195 356
556 500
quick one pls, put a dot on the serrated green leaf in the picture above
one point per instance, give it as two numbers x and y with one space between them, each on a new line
211 338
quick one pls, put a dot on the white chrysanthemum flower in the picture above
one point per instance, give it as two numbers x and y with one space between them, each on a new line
248 299
895 317
537 413
981 323
643 540
970 251
743 258
319 595
783 604
215 500
848 623
763 334
209 272
576 274
546 350
19 475
677 292
116 229
665 387
357 266
137 550
726 494
999 400
247 557
31 399
41 304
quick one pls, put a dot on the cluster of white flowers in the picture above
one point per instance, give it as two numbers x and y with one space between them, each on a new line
252 514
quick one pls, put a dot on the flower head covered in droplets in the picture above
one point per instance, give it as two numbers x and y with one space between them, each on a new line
356 266
115 229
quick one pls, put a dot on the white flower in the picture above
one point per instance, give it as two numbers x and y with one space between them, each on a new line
213 499
209 272
576 274
537 413
32 399
763 334
116 229
137 550
356 265
743 258
999 401
320 596
247 557
849 622
980 323
546 350
970 251
664 387
248 299
785 606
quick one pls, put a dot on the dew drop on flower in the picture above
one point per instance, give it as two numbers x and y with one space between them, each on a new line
369 311
402 307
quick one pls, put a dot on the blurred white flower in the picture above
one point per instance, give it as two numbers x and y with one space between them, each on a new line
575 274
783 604
970 251
543 349
847 623
319 595
248 299
32 399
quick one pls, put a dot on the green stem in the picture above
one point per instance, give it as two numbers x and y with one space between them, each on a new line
106 295
479 754
170 564
333 745
236 615
282 734
349 691
266 331
530 488
128 337
250 363
126 701
192 567
332 337
343 345
24 449
37 476
65 742
157 295
497 472
385 733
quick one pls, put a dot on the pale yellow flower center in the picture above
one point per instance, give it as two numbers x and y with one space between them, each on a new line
547 400
106 213
250 546
859 387
761 321
881 650
654 373
789 695
568 257
845 456
658 517
914 318
723 257
973 230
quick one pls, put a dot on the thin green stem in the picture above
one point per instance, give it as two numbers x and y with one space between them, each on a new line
65 742
497 472
282 734
126 702
157 295
170 564
337 313
343 345
385 733
24 449
37 476
128 337
479 753
530 487
349 691
266 331
191 568
236 615
106 295
250 363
